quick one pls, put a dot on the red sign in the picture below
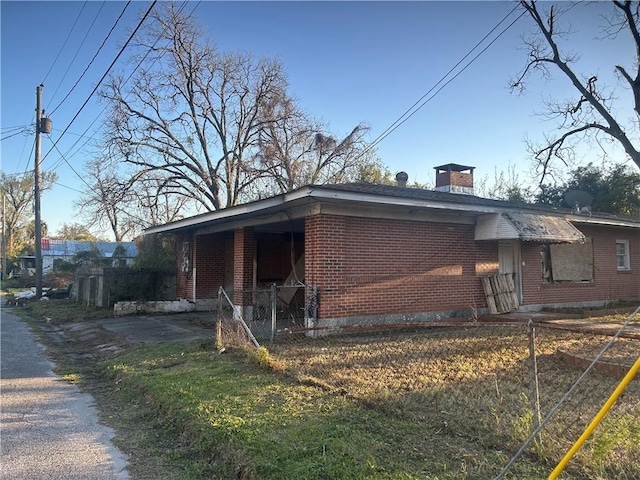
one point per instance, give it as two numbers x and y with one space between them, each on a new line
44 243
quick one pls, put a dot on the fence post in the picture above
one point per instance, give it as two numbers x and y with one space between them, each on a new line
218 339
537 416
273 302
310 305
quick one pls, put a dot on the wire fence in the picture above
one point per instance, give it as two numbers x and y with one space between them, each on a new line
279 308
490 397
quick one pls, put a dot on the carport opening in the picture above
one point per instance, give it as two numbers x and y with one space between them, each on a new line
280 261
280 254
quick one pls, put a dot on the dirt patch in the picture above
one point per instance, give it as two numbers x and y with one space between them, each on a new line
86 342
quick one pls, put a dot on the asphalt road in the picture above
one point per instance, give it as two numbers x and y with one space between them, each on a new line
48 428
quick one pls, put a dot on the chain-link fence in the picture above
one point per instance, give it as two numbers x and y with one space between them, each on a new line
494 400
273 310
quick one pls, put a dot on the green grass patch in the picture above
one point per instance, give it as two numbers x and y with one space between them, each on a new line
237 419
434 405
62 311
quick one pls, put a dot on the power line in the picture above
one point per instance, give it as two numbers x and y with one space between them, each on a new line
23 131
80 137
68 187
33 145
105 75
78 50
71 167
149 50
65 42
402 120
111 204
94 56
15 127
413 109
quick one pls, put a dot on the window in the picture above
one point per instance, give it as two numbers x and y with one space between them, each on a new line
568 262
622 255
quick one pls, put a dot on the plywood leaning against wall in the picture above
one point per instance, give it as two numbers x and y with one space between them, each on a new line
500 292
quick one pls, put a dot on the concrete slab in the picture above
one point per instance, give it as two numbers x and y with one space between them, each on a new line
568 322
175 328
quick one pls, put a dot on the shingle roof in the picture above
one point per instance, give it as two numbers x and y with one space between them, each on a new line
463 199
431 195
381 194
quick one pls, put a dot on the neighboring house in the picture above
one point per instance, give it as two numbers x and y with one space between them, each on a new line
125 252
53 250
380 253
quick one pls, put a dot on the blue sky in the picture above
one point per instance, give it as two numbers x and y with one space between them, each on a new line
347 62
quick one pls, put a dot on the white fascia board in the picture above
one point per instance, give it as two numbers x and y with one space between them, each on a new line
230 212
385 212
402 201
608 222
308 194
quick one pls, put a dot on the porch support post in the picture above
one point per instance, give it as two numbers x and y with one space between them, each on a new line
244 248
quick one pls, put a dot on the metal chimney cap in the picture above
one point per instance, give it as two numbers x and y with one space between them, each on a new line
402 176
401 179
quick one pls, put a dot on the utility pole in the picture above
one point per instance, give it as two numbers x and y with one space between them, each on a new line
4 241
36 191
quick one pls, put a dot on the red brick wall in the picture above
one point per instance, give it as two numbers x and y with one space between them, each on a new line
244 248
460 179
608 283
209 264
207 258
365 266
184 281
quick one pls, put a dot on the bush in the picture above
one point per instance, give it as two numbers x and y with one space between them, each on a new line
60 265
57 279
24 281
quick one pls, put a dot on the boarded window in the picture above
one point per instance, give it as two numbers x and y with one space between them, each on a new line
572 262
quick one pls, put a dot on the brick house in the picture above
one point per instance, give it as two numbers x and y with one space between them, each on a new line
379 253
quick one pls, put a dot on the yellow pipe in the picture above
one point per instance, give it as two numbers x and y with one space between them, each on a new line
596 420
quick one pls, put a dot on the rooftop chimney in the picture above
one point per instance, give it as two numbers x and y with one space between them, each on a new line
454 178
401 178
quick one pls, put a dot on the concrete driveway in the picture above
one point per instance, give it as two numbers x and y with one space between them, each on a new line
174 328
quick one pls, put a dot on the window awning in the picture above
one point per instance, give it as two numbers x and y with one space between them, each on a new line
528 227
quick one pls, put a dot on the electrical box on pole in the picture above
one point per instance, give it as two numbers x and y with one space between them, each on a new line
45 125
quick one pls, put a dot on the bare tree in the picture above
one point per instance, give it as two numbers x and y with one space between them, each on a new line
217 129
155 205
18 192
296 150
108 202
126 204
193 113
592 113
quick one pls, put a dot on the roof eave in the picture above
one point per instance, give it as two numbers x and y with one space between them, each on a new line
319 193
257 207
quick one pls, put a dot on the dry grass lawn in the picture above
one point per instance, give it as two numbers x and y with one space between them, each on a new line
473 388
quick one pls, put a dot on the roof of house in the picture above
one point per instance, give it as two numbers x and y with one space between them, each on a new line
374 195
68 248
